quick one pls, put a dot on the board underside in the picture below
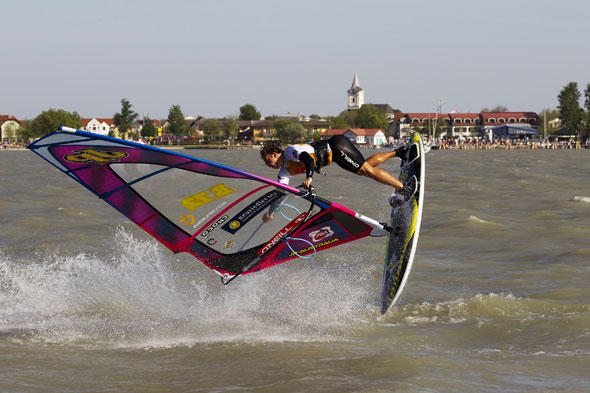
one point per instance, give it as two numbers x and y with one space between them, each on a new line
405 222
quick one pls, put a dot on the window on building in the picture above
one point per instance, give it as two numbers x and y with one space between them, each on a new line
522 120
491 120
467 121
512 120
416 121
501 120
457 121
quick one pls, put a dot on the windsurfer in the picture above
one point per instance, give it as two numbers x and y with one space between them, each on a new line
310 158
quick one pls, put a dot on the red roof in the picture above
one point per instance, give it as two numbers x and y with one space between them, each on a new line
464 115
509 115
110 122
4 118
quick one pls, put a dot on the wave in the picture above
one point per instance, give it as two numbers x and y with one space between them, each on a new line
478 220
142 296
584 199
481 308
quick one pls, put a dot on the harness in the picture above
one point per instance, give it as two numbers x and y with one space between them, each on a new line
322 155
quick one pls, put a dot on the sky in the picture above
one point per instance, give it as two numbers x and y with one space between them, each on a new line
211 57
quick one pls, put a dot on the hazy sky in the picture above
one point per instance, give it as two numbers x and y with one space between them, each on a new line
211 57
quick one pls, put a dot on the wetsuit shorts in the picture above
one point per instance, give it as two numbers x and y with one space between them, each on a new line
345 154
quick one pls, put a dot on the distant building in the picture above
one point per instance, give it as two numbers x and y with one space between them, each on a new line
100 126
360 136
466 125
356 95
256 131
9 126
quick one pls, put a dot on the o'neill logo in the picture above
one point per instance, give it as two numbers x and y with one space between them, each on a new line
350 160
321 234
282 233
93 155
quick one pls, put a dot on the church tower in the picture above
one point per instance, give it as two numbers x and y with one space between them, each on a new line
356 95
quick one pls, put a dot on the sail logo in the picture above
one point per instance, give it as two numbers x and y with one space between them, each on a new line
94 155
321 234
214 225
206 196
282 233
251 211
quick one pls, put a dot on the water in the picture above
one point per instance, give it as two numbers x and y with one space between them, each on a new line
497 301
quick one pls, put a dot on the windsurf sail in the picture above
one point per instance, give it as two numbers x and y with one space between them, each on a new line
209 210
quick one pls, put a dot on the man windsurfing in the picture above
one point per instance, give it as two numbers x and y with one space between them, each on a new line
309 158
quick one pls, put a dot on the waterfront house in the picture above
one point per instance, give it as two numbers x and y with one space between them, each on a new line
9 126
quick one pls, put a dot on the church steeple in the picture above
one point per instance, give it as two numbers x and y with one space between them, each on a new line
356 95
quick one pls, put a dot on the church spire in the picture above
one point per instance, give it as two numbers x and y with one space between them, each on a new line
356 95
355 82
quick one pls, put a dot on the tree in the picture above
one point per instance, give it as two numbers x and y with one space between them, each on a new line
231 127
338 122
545 116
369 116
212 129
289 131
570 113
176 123
350 118
148 128
496 109
50 120
249 112
124 120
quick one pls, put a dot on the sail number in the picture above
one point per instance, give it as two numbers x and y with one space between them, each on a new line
204 197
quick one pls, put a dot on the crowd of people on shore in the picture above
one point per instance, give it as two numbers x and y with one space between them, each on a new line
504 144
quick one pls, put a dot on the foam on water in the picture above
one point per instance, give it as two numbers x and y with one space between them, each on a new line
584 199
136 298
478 220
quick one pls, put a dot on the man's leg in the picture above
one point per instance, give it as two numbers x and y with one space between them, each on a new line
379 158
378 174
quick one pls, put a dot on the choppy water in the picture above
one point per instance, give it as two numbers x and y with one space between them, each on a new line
498 299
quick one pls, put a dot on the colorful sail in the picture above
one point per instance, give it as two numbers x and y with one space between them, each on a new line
209 210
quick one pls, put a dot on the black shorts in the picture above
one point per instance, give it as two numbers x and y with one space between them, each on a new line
345 154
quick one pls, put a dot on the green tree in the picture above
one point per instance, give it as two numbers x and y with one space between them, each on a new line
231 127
338 122
50 120
570 113
545 116
124 120
289 131
249 112
148 129
497 108
176 123
369 116
350 118
212 129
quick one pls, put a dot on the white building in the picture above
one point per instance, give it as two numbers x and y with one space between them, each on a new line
98 126
356 95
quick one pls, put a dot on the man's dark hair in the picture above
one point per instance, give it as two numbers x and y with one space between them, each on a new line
270 147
